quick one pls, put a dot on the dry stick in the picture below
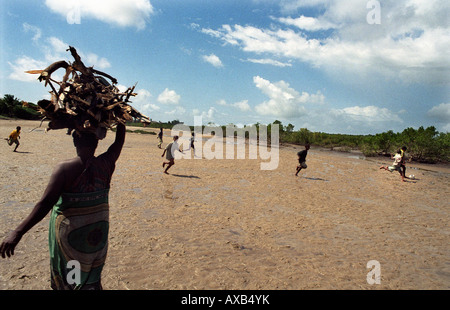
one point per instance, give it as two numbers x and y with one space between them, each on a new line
88 94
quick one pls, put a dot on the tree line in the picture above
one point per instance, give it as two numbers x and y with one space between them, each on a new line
12 107
423 144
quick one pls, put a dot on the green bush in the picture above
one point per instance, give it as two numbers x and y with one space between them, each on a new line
25 113
12 107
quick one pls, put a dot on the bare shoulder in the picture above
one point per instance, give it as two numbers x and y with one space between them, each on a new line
69 163
68 168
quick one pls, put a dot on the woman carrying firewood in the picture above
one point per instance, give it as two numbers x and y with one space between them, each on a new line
77 194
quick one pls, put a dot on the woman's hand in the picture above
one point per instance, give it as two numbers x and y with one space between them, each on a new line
9 243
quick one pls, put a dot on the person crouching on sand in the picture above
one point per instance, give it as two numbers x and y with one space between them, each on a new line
169 151
302 159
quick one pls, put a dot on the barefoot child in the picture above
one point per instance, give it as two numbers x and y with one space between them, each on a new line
170 153
14 137
302 159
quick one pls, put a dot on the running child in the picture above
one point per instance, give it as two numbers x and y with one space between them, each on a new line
14 137
169 151
396 165
302 159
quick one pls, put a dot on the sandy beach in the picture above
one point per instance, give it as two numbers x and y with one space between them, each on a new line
227 224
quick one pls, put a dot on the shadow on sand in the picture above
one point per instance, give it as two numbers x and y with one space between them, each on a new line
315 179
186 176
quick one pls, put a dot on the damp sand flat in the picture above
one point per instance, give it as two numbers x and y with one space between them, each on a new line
226 224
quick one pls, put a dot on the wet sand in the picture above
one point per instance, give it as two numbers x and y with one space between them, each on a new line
227 224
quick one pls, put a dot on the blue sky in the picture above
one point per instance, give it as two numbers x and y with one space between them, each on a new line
353 66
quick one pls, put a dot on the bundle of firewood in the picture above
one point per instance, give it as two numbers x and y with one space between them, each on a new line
85 100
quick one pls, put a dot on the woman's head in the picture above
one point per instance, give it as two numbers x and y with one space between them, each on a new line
85 139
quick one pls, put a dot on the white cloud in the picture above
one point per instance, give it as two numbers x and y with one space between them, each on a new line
290 6
25 63
194 26
242 105
130 13
411 43
54 49
284 101
209 114
441 114
169 97
222 102
58 45
95 60
307 23
272 62
206 116
349 120
213 60
178 112
369 114
36 30
142 102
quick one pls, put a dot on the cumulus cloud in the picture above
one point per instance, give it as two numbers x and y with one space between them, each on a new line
410 44
284 101
222 102
54 49
97 61
441 114
349 120
35 30
22 64
311 111
291 6
307 23
213 60
169 97
130 13
241 105
206 115
369 114
143 102
178 111
268 61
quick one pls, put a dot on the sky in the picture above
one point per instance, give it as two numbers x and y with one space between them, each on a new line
347 66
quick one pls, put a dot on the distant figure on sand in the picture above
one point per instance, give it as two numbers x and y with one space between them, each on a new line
77 194
14 137
169 151
403 161
191 143
302 159
160 137
396 165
